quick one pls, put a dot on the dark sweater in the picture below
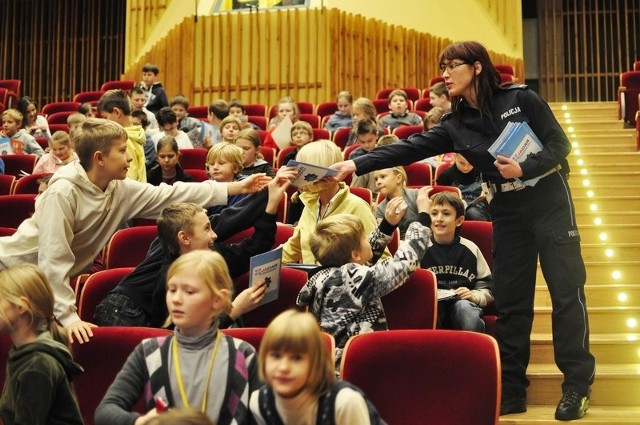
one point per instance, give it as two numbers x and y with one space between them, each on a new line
37 388
154 176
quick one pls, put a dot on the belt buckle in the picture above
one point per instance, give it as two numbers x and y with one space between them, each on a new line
515 185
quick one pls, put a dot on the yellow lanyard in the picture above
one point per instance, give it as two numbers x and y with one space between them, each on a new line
183 393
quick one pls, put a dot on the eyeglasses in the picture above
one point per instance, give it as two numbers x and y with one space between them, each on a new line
450 66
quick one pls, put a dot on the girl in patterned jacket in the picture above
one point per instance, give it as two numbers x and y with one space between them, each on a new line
195 367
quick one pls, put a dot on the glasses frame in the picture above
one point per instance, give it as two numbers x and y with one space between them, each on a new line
451 66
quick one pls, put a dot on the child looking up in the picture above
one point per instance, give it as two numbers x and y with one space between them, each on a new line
155 96
37 389
458 264
229 129
391 183
301 134
21 141
342 117
398 112
197 366
168 169
287 107
301 387
344 295
61 153
224 163
86 202
249 141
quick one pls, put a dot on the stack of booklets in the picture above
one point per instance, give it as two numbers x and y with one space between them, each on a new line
517 141
265 268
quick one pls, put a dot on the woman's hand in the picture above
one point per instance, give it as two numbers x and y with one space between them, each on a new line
508 168
344 168
80 331
251 184
395 210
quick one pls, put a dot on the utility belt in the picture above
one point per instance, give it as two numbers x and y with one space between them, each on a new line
517 184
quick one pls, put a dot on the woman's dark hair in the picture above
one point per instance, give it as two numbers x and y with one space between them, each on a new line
484 83
22 106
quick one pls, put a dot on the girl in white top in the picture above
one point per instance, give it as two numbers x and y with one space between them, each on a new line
36 125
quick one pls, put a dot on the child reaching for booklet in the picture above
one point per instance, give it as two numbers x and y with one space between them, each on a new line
37 388
197 366
301 387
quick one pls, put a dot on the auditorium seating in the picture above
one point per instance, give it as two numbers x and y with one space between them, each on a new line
128 247
17 165
414 304
628 94
29 184
125 85
14 209
96 287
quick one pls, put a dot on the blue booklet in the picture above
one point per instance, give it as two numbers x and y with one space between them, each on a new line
5 146
309 173
517 141
266 267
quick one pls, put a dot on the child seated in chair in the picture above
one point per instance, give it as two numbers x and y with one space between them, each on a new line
253 162
398 112
345 295
61 154
367 138
224 163
459 266
139 299
342 117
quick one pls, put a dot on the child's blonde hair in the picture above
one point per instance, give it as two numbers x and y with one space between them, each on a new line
439 89
290 101
302 125
15 115
363 104
230 119
174 219
96 135
397 171
228 152
433 117
345 95
211 268
387 139
181 416
397 92
335 238
61 136
251 135
321 152
75 120
297 332
26 285
168 142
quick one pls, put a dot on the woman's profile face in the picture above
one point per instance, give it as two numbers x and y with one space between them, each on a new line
458 76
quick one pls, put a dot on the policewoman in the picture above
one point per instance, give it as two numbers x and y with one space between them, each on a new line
528 222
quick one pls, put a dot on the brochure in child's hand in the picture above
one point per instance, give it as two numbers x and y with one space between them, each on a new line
517 141
5 145
309 173
446 294
266 268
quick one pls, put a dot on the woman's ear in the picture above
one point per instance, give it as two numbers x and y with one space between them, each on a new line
477 66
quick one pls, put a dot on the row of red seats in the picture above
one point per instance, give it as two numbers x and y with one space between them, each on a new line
629 97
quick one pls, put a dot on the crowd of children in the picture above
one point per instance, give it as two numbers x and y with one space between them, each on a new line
126 165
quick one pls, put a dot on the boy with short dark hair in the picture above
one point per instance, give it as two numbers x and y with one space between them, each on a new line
367 137
192 126
398 112
115 105
86 202
168 122
459 266
138 100
344 295
156 97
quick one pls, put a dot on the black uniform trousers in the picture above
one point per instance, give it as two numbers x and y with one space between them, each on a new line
540 221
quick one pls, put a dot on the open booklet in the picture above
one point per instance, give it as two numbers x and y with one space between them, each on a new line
517 141
446 294
266 267
309 173
5 146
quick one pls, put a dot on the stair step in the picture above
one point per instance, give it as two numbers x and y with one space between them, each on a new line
597 144
607 348
624 200
580 125
598 294
603 272
605 320
590 233
607 217
600 415
615 384
619 251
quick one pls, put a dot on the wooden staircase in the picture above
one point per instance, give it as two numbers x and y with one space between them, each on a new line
605 181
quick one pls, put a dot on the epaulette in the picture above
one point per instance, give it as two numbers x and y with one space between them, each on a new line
515 86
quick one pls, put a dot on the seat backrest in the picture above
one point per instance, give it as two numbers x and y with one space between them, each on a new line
312 119
128 247
125 85
259 120
269 155
102 358
362 193
59 117
254 337
193 158
347 151
88 96
423 104
450 377
321 134
7 231
636 65
630 88
58 127
198 174
381 105
6 184
413 94
255 109
29 184
505 69
283 154
418 174
441 167
96 288
480 233
414 304
199 112
52 108
436 79
384 93
404 131
291 282
341 137
16 164
14 209
303 108
283 233
325 109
